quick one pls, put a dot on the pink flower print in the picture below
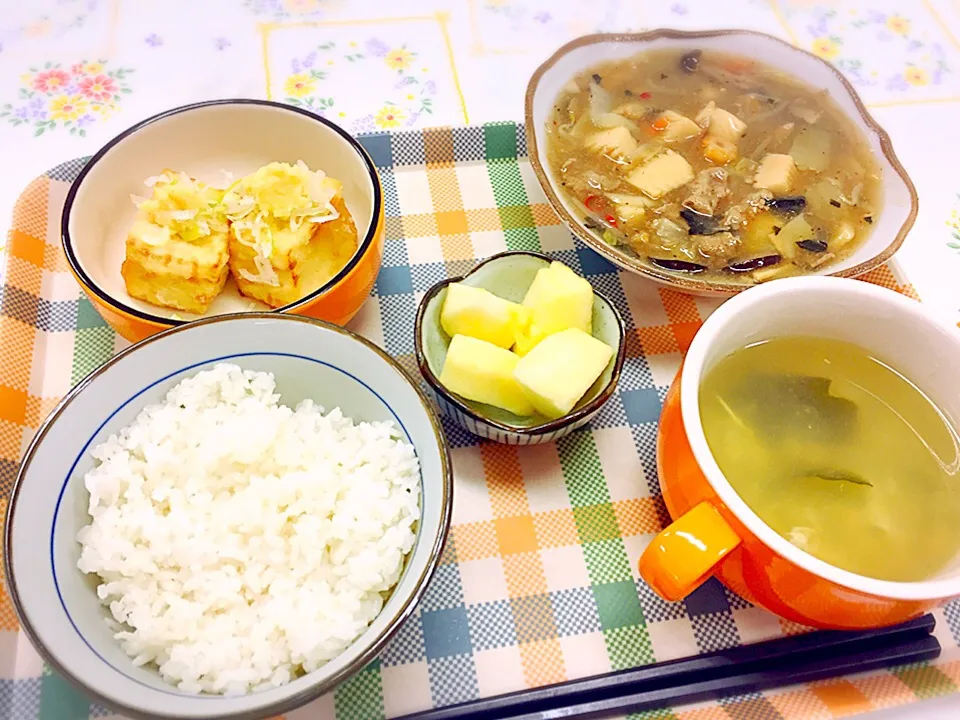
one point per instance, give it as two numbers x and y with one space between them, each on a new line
50 81
99 89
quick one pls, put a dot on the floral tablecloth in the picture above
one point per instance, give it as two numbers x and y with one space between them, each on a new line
73 73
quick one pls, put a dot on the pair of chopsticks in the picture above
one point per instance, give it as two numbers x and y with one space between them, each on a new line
750 668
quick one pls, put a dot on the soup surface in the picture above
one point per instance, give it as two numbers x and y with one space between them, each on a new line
702 162
838 453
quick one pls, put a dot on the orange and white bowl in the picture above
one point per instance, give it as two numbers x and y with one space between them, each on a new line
715 533
207 140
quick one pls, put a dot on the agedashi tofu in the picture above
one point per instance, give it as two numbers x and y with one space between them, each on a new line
484 372
290 232
480 314
176 252
664 173
559 299
776 173
560 369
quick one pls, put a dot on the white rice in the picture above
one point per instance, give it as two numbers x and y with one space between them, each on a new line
241 542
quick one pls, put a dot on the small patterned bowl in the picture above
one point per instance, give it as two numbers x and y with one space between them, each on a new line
509 275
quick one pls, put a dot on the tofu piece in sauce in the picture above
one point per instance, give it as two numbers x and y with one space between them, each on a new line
776 173
664 173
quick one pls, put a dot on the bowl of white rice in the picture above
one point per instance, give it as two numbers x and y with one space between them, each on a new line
228 519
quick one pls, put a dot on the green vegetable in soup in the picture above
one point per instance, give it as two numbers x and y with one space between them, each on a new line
781 406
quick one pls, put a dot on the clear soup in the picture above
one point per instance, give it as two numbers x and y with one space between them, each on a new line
838 453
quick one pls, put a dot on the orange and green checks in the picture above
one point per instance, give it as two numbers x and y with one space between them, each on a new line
537 584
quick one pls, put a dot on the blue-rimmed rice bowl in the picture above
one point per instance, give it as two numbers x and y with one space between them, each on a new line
57 604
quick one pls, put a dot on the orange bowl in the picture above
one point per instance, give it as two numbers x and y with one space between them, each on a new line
715 533
212 141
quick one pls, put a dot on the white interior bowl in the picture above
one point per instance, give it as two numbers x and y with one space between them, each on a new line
898 331
58 605
899 198
212 142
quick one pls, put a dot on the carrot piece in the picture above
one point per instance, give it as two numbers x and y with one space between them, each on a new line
660 124
737 65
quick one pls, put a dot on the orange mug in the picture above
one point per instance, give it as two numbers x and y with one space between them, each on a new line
714 533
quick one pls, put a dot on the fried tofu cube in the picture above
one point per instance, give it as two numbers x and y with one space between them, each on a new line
776 173
173 273
298 262
616 141
662 174
176 250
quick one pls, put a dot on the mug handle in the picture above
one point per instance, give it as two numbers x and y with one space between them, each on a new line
682 556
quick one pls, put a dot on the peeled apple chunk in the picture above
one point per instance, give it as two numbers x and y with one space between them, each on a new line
560 369
480 314
483 372
559 299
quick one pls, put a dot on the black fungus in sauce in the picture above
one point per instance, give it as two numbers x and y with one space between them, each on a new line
680 265
754 264
690 62
787 206
701 224
814 246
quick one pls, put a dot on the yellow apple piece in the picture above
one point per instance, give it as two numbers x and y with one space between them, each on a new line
560 369
559 299
481 371
480 314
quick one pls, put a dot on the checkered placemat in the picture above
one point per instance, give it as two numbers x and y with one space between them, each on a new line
538 583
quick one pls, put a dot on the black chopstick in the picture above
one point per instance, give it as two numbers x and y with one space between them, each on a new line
926 648
725 671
